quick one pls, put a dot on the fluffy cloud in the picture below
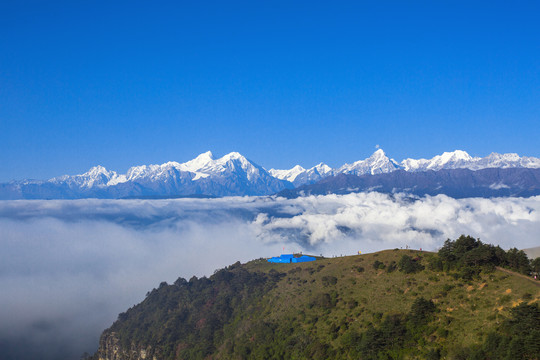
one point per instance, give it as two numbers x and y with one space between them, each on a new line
67 268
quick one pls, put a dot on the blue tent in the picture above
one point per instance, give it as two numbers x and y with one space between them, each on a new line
289 258
303 258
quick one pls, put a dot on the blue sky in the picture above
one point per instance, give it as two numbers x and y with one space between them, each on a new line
136 82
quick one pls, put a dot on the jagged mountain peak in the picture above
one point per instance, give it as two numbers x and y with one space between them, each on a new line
231 162
447 160
96 176
460 159
377 163
288 175
378 153
233 155
322 168
96 170
208 154
454 155
199 162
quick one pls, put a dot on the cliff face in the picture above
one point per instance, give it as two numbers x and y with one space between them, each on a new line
185 320
111 349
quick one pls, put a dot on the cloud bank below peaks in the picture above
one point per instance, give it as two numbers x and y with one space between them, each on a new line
67 268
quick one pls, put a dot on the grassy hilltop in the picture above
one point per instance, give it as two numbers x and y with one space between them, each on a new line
388 305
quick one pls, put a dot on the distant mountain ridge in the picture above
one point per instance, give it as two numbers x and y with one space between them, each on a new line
379 163
456 183
235 175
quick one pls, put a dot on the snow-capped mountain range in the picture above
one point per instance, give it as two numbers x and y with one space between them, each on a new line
379 163
202 167
233 174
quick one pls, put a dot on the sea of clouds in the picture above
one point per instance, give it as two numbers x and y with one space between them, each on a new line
68 267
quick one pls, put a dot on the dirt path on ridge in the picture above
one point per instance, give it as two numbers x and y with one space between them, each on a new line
536 282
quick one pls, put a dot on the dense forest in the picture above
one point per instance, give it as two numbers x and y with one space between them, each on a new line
468 301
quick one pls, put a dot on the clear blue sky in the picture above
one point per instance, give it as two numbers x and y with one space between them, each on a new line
283 82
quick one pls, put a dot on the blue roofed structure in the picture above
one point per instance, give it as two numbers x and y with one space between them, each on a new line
303 258
290 258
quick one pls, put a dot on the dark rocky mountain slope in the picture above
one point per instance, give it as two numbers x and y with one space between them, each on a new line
457 183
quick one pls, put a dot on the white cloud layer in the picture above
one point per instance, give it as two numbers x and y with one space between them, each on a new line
67 268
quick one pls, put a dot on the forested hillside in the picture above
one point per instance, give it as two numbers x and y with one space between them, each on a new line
455 304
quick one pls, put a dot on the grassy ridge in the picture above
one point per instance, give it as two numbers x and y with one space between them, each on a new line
390 304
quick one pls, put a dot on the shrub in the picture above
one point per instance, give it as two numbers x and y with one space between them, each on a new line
329 280
408 265
325 301
391 267
421 311
351 304
468 273
435 263
378 265
448 287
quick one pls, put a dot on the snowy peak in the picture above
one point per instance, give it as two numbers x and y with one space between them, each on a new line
377 163
322 169
379 153
201 161
453 159
205 165
207 162
288 175
97 176
233 156
300 176
509 160
236 159
236 163
462 160
96 171
448 160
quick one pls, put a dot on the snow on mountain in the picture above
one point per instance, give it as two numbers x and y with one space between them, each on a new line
462 160
504 161
289 175
204 160
233 174
203 166
456 183
319 171
300 176
97 176
233 163
448 160
377 163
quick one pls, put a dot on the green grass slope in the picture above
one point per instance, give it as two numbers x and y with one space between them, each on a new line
392 304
